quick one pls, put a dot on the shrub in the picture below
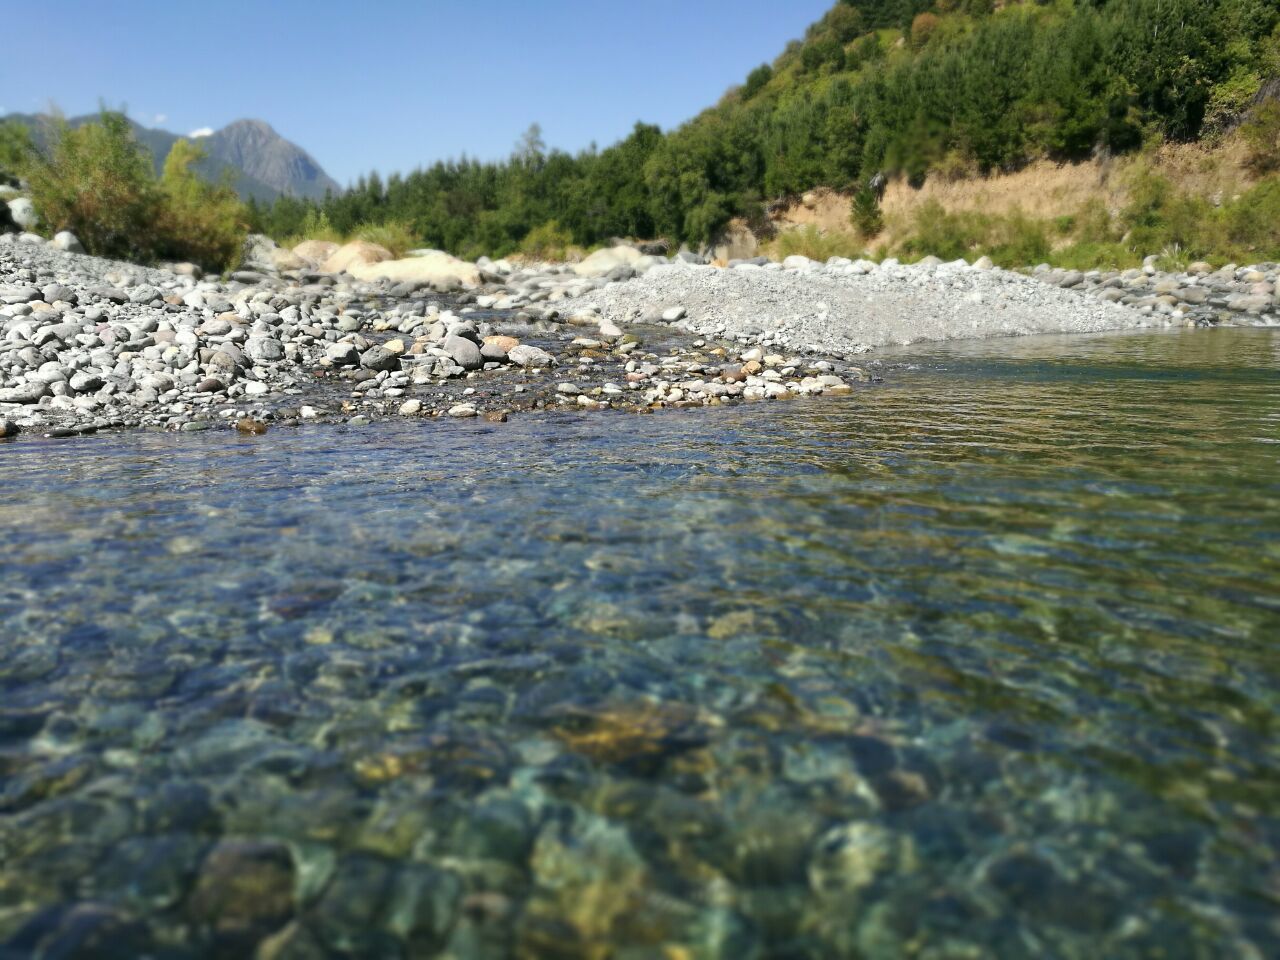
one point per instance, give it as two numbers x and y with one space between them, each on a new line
922 28
547 242
200 222
757 80
315 226
1261 134
1250 224
15 148
1012 240
97 182
813 243
396 235
865 216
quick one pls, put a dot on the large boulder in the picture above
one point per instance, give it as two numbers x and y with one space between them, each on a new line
258 249
736 242
23 212
316 252
603 262
358 253
282 259
434 268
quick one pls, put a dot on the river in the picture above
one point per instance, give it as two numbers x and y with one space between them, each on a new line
983 660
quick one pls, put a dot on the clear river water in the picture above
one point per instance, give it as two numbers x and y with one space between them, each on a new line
983 660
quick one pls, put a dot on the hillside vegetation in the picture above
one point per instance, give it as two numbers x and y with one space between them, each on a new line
924 90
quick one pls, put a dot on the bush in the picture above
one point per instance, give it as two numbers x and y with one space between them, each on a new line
1261 134
396 235
97 182
922 28
547 242
865 216
203 223
15 149
1012 240
315 226
757 80
813 243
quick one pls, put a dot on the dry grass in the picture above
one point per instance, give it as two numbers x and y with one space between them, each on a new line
1043 190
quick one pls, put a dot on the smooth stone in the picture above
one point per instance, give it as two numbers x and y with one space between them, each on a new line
379 358
527 355
67 241
463 352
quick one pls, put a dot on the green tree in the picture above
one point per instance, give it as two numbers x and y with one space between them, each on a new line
96 181
201 222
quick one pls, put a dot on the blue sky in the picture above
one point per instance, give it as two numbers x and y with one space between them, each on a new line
392 84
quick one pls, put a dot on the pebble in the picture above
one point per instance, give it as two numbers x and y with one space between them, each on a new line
135 346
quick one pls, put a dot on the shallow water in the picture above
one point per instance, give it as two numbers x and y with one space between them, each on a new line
981 661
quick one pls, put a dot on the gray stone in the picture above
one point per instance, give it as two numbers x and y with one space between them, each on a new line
343 354
112 294
379 358
265 349
215 327
85 382
144 293
464 352
527 355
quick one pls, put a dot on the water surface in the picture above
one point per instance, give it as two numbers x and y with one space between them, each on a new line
980 661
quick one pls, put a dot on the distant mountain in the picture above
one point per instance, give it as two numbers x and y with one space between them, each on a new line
261 163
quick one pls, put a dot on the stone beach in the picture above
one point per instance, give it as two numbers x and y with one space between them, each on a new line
90 344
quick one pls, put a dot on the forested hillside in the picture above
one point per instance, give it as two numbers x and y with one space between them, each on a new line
921 88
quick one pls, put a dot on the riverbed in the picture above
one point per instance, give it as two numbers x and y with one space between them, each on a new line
978 661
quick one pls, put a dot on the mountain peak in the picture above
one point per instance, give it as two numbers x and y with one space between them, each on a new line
254 147
262 163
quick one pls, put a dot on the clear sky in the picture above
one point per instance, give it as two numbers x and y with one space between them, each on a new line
393 84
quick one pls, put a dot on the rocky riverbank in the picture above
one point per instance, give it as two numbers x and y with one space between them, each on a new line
350 335
89 344
845 308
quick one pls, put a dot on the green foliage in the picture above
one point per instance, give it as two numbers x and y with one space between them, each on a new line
15 148
315 226
395 235
97 182
1158 219
547 242
1012 240
816 245
865 214
757 79
200 222
977 89
1261 135
1230 99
